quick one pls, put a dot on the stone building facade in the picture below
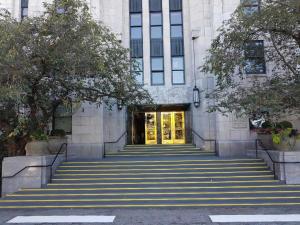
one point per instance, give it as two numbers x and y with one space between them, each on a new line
173 37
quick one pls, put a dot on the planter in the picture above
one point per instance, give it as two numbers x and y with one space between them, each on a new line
266 141
37 148
54 143
289 144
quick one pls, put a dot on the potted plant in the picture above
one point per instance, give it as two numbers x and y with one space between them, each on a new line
279 136
264 134
38 145
55 140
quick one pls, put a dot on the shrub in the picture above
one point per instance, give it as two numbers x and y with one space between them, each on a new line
58 132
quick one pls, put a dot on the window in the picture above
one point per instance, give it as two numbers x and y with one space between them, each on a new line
138 69
24 9
136 19
250 6
136 39
135 6
178 70
62 119
156 42
255 60
177 46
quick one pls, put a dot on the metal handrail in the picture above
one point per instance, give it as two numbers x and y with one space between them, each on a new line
113 142
43 166
274 162
209 140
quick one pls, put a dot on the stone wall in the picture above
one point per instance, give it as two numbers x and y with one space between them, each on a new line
33 177
288 170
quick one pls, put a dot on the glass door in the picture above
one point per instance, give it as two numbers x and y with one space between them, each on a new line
173 128
166 127
179 128
150 128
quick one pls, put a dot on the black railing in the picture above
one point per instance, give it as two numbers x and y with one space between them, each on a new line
43 166
113 142
206 140
274 162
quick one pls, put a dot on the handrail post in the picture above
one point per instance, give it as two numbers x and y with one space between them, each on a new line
256 148
274 172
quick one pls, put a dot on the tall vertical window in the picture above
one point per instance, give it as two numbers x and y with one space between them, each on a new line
177 47
255 59
156 45
250 6
24 9
136 38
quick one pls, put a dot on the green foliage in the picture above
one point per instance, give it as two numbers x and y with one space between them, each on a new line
277 23
38 135
285 125
58 132
266 125
57 58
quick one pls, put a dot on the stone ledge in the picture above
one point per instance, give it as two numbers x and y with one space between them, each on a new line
31 177
290 173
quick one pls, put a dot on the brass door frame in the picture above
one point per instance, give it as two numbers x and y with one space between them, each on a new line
173 139
147 141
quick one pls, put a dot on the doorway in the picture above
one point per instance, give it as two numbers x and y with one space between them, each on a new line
172 127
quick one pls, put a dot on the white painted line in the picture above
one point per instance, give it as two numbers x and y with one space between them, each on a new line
62 219
254 218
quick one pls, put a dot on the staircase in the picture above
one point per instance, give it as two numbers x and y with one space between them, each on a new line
158 177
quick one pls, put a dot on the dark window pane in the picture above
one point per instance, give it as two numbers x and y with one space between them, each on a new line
178 77
156 32
254 49
255 66
177 63
155 5
249 2
63 118
175 5
24 3
135 6
176 18
176 31
157 47
177 47
136 33
136 20
136 48
157 78
157 64
249 10
156 19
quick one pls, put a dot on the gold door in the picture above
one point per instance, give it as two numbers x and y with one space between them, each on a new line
150 128
166 127
173 127
179 128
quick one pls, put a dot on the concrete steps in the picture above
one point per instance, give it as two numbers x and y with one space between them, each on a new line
161 181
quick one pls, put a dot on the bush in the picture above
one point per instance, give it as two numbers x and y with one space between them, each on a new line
285 125
58 132
266 125
39 135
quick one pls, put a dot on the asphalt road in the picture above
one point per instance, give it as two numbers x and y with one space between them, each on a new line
198 216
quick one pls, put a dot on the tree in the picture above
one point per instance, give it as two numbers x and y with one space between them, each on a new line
59 57
277 22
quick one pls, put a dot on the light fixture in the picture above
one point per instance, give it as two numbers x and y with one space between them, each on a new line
120 104
196 91
196 96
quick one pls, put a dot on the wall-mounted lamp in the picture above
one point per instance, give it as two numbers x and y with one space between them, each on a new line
196 97
196 91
